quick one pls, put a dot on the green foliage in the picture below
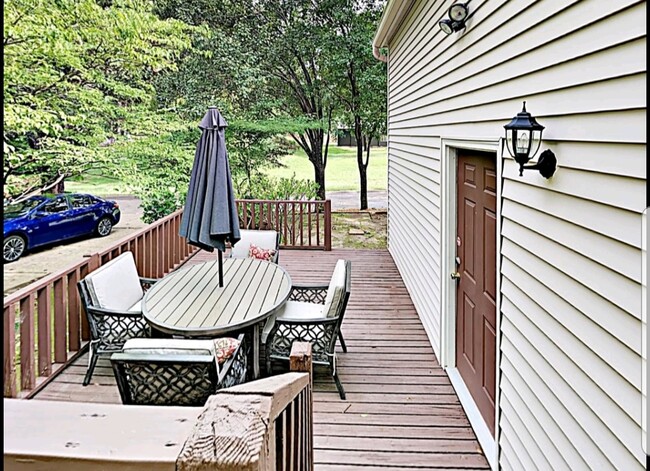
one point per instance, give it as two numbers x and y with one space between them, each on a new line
264 187
74 73
157 168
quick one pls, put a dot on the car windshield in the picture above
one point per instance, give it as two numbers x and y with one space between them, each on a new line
16 209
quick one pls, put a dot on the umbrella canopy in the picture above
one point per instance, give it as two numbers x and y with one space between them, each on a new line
210 216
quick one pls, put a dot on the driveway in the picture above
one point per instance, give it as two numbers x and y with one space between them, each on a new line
350 199
50 259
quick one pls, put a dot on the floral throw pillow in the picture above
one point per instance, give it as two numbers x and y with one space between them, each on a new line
260 253
224 348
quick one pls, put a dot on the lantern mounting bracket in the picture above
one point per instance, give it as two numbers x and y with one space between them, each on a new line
546 164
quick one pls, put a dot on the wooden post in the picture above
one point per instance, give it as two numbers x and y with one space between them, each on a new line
328 225
300 360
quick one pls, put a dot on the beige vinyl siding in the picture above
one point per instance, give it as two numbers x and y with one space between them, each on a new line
570 248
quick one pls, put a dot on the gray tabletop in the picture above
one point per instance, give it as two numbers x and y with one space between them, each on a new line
189 301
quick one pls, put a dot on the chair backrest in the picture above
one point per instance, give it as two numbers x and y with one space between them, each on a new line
339 289
166 372
265 239
116 284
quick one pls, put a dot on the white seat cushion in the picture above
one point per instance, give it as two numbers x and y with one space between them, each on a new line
293 310
336 290
262 239
116 284
220 348
137 307
171 346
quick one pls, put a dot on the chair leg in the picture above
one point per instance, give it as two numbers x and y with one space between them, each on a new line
91 365
342 342
339 386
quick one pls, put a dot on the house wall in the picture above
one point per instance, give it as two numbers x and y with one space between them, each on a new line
570 248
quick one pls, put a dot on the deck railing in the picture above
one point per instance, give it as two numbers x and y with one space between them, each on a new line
44 324
301 224
264 425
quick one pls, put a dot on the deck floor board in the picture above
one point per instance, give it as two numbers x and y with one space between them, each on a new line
401 412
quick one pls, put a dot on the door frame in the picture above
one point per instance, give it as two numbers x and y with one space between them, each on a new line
449 209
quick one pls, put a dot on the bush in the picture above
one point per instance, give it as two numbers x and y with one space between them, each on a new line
270 188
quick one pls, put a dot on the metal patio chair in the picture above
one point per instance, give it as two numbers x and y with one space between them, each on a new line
312 314
264 239
111 297
177 372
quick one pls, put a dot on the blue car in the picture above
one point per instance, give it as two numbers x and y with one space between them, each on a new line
42 220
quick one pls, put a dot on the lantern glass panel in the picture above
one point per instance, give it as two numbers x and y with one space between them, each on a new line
523 142
535 143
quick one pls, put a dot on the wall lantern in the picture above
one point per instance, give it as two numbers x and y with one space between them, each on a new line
457 14
523 138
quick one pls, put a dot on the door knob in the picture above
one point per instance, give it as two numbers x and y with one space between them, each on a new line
455 276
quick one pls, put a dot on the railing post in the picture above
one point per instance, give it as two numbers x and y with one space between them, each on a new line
300 361
328 225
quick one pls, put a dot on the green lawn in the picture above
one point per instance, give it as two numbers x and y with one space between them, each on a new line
341 172
97 185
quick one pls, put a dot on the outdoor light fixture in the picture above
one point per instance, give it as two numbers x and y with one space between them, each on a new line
523 138
457 14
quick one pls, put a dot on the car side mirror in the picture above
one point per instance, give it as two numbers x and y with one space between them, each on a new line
39 214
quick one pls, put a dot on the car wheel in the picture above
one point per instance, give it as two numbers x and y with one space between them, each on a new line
104 227
13 248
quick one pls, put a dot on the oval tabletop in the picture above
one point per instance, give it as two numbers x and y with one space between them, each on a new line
189 301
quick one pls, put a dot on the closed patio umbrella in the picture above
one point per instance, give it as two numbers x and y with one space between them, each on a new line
210 216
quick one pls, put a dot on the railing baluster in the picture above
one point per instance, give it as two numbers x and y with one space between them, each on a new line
309 210
293 223
60 321
302 223
74 313
44 307
318 205
27 362
9 350
160 255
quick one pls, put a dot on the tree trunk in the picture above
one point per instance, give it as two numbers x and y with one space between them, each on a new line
60 186
319 178
363 176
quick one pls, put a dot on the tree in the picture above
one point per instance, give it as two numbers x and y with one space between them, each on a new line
356 78
75 71
274 55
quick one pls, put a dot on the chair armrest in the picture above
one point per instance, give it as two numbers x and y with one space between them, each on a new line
147 283
228 366
309 293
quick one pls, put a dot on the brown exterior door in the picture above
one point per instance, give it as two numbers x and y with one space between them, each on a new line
476 291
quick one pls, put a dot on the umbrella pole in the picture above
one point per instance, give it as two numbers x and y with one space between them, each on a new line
220 269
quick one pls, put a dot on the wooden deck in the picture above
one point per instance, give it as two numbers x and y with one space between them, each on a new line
401 412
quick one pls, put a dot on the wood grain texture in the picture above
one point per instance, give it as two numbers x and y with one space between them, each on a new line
393 413
190 302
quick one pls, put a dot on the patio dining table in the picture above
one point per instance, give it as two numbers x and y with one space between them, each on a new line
190 303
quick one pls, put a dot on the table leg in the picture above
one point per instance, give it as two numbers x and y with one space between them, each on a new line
256 351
